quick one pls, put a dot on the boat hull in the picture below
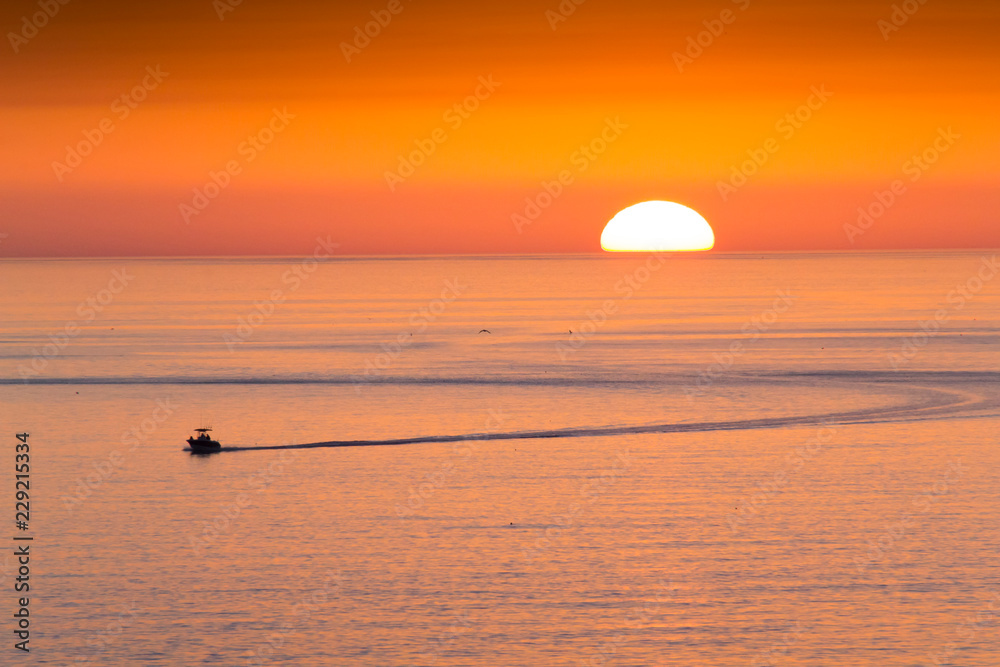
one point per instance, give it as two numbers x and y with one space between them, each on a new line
203 446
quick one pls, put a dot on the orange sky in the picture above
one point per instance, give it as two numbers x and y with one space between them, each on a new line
609 67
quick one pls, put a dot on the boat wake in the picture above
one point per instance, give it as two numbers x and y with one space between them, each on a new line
929 403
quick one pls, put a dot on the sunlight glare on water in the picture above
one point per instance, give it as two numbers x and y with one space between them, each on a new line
736 460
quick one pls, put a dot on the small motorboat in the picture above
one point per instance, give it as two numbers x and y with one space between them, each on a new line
203 443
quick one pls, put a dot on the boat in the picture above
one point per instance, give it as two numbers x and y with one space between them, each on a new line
203 442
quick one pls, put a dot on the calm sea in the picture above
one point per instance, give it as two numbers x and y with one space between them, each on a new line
725 459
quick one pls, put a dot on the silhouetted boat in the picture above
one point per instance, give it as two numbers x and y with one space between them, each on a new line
203 443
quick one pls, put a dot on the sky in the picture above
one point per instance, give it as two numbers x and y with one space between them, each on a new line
227 127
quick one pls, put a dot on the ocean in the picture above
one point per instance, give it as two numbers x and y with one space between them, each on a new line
713 459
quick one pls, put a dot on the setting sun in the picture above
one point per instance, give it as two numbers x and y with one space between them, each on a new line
658 226
536 332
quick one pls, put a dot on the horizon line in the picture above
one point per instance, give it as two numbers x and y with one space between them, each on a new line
550 255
